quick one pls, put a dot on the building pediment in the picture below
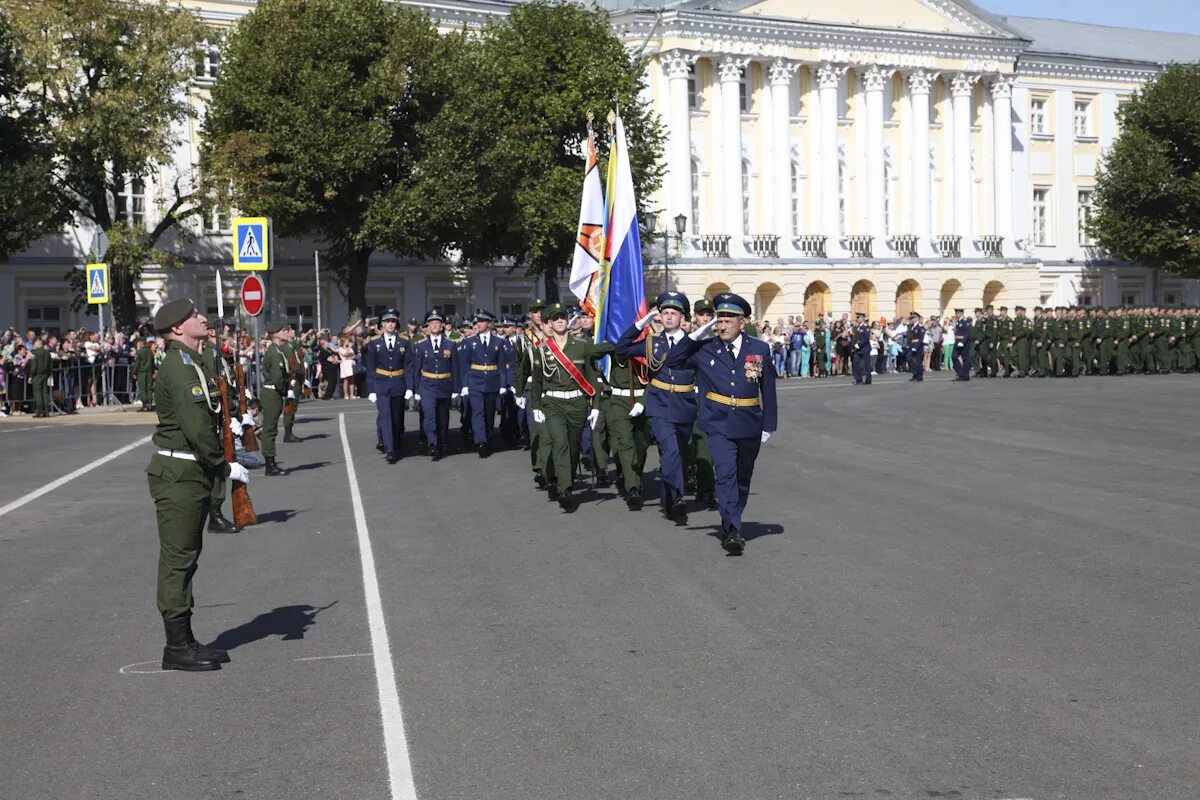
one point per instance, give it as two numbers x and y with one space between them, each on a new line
929 16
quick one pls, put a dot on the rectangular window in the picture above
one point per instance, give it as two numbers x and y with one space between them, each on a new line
745 198
131 202
512 309
1038 117
1083 213
1129 300
744 94
692 89
695 197
1085 299
217 221
795 200
208 60
294 313
1169 299
1083 119
1041 212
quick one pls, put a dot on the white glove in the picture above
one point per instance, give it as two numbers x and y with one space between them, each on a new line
539 416
408 394
307 384
371 397
248 420
291 395
521 403
644 321
417 397
593 418
464 391
703 330
765 436
454 394
637 410
238 473
235 426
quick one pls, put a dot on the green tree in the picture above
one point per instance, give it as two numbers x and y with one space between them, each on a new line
109 78
29 207
1147 198
314 122
508 149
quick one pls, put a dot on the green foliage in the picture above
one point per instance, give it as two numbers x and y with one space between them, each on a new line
314 122
109 78
1147 199
28 205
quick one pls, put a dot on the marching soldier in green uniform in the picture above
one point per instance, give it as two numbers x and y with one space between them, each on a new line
1122 329
1075 336
697 459
414 333
528 361
1137 341
1190 356
143 368
1103 341
39 376
563 396
622 414
1019 343
275 390
1004 341
294 381
1058 342
1040 353
181 474
216 366
820 355
979 338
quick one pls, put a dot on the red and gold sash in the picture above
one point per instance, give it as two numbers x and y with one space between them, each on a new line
571 369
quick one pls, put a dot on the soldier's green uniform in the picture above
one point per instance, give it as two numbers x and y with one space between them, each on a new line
1168 342
979 341
529 360
1004 333
293 381
1188 357
1104 342
143 368
1019 350
1122 329
1056 329
1149 341
628 436
39 376
565 415
181 474
217 523
1075 333
274 392
1040 344
1137 342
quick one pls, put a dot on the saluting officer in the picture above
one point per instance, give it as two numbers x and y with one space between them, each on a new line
671 396
434 377
961 358
181 474
737 407
387 358
275 390
697 460
861 358
484 377
916 347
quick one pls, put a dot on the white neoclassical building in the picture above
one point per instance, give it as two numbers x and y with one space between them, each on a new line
838 155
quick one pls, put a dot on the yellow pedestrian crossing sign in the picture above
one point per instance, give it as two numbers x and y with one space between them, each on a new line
97 283
251 243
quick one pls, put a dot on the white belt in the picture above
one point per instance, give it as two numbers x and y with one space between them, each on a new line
269 386
184 454
628 392
564 395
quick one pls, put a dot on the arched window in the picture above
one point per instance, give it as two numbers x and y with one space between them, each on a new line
695 196
746 198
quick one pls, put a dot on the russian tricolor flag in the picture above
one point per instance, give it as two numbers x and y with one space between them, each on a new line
622 296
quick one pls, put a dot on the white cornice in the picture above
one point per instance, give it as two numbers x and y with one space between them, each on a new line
1072 67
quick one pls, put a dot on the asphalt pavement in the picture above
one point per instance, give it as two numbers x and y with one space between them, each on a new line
981 590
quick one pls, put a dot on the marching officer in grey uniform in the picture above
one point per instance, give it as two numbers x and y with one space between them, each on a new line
433 376
388 359
484 377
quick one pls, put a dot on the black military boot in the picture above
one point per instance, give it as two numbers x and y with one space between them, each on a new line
214 654
733 542
183 652
540 480
633 498
568 502
217 523
273 468
290 437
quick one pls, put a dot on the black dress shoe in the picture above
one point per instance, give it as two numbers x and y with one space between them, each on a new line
733 541
483 450
540 480
708 499
379 446
292 438
391 458
633 498
568 502
678 510
217 523
552 491
603 482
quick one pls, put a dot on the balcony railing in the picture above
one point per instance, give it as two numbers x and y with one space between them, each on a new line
948 245
714 245
811 246
859 245
763 245
905 245
991 246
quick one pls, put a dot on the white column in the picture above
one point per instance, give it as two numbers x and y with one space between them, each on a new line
960 90
730 72
828 77
1002 140
873 80
814 180
780 163
675 66
919 83
1022 187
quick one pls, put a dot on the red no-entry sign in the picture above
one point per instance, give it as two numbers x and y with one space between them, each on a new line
253 295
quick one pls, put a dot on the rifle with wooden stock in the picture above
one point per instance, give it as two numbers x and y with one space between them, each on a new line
243 509
249 440
289 405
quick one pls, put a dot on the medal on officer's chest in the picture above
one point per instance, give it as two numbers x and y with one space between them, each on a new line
753 367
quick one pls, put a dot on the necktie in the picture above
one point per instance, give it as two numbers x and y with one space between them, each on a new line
437 343
732 355
485 340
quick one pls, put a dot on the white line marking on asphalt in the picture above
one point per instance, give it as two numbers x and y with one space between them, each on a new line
400 775
129 669
50 487
323 658
29 428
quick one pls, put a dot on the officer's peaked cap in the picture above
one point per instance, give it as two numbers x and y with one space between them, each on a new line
483 315
676 300
729 303
434 314
389 314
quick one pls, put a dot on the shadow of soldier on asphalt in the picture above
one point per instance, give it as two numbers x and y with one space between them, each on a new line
306 467
750 530
287 622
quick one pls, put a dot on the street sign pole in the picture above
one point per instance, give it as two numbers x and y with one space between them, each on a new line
317 281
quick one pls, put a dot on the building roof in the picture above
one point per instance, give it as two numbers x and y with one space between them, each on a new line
1060 37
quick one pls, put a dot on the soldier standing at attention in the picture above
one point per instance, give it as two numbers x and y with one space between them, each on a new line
916 347
563 396
670 398
215 366
181 475
527 361
737 409
143 367
962 346
1019 347
275 390
39 376
861 358
387 358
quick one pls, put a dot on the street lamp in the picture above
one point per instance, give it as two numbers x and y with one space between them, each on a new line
650 222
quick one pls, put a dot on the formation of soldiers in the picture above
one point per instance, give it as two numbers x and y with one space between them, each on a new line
1069 342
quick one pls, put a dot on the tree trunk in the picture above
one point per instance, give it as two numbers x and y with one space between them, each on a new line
122 297
356 282
550 277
